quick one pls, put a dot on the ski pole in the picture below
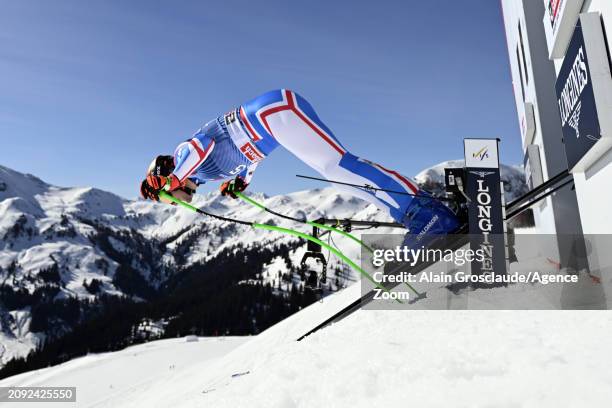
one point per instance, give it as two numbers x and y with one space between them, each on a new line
368 187
308 237
188 206
315 224
312 223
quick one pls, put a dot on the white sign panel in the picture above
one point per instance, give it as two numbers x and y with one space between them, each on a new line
481 153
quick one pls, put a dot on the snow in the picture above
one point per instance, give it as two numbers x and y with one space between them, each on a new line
392 358
17 340
13 347
271 270
135 370
512 176
370 359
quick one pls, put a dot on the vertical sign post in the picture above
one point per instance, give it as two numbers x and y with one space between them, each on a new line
485 210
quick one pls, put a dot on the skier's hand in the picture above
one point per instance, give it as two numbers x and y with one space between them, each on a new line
152 185
169 183
229 187
147 192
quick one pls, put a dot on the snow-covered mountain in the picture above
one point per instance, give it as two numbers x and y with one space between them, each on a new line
67 246
512 177
82 243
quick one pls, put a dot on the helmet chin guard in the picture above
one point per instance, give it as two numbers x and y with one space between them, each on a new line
161 166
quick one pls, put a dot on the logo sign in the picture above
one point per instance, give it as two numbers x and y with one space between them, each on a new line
481 153
251 152
576 100
230 117
485 213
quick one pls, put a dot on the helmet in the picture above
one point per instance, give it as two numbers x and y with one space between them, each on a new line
161 166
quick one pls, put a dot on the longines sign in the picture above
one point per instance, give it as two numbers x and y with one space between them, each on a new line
485 213
576 101
581 98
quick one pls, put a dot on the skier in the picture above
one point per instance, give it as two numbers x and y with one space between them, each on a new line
231 146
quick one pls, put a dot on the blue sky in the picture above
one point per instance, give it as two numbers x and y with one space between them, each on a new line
91 91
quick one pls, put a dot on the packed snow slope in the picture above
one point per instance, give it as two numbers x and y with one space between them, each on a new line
436 359
370 359
382 358
99 377
377 358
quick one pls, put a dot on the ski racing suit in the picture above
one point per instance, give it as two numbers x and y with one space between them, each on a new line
233 144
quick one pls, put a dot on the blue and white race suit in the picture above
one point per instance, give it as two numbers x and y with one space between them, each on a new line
233 144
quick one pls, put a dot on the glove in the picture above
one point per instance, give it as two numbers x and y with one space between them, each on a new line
228 188
147 192
169 183
152 185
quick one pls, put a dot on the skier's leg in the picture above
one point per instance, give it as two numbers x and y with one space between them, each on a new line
293 123
296 126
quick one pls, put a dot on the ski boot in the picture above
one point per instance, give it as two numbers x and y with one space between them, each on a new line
426 219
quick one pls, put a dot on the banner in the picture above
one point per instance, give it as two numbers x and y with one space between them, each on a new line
576 101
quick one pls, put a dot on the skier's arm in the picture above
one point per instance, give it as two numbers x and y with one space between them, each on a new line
184 193
190 155
196 181
240 183
247 174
